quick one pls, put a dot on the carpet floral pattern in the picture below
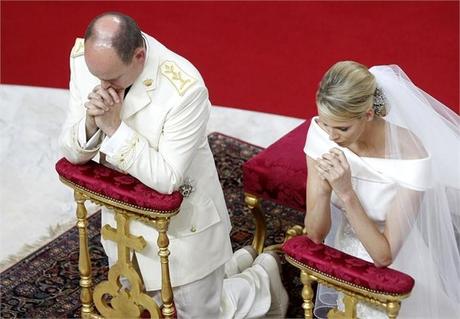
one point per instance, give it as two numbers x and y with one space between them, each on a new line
46 283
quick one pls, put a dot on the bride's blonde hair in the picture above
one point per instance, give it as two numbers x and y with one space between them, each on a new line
346 91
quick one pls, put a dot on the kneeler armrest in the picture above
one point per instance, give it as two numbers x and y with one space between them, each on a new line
130 200
356 278
117 187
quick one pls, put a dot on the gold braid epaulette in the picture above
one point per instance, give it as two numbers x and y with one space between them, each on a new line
179 79
78 48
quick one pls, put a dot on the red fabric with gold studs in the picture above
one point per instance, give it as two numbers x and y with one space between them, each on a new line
118 186
345 267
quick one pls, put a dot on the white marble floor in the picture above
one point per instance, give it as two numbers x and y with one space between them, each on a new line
34 206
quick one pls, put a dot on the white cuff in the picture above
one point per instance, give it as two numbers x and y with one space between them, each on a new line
94 140
112 145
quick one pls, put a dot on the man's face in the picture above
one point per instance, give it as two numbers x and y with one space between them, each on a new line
104 63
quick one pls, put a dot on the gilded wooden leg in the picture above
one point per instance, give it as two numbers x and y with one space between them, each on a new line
125 302
253 203
350 306
307 294
349 311
84 262
393 309
294 231
166 289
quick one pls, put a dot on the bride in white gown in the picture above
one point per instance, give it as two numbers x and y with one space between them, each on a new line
384 183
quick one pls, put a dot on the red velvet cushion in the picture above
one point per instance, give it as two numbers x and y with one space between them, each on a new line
279 172
118 186
342 266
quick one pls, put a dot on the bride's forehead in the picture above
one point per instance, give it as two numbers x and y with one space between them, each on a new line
329 121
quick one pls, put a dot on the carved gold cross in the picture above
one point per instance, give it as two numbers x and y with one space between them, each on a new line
123 238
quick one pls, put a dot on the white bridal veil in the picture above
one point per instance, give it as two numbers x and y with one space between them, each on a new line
425 236
429 220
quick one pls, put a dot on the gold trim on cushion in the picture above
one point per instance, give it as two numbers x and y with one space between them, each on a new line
345 284
114 203
389 302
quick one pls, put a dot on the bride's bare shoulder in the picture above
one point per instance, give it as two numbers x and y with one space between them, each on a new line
404 144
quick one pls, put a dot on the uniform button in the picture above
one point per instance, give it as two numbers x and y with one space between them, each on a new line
148 82
193 229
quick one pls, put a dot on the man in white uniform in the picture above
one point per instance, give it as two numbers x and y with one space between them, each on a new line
144 109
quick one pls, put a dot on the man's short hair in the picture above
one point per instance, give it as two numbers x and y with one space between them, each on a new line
126 40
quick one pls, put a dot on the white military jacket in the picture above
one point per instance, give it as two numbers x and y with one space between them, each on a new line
162 142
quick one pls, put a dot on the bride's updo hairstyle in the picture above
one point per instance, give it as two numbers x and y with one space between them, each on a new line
346 91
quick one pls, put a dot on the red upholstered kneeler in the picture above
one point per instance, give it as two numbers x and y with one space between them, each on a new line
130 200
279 174
358 279
343 267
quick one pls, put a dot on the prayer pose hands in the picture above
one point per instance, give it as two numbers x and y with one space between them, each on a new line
334 170
103 110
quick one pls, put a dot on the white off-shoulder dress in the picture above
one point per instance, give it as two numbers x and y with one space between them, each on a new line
376 182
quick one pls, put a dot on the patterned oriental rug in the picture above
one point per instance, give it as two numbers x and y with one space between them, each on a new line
46 283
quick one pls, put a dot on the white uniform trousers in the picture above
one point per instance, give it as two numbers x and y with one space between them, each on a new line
199 299
241 295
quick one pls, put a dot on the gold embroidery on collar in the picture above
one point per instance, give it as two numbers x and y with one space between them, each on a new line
78 48
181 80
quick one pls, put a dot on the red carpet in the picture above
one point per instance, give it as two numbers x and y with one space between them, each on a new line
263 56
